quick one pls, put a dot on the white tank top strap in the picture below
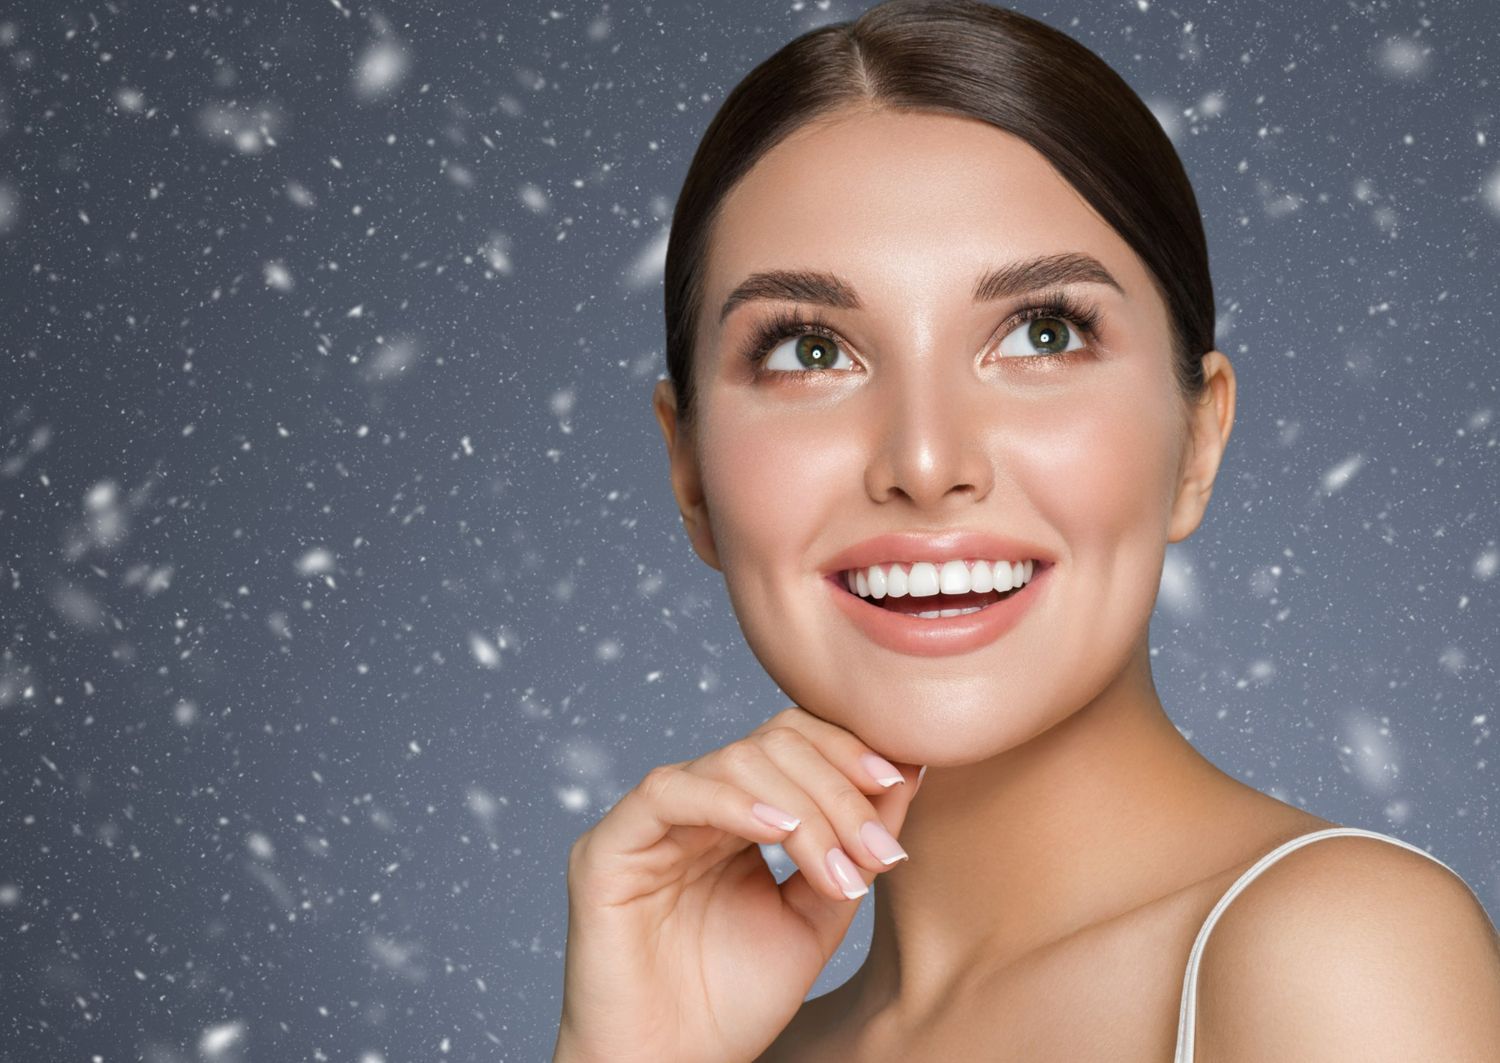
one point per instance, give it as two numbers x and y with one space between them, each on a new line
1187 1013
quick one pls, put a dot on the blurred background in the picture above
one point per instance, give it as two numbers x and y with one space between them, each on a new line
341 581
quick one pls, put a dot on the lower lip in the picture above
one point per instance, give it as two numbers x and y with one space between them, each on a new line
940 636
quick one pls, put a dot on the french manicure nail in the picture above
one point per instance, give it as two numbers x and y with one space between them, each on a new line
882 770
879 841
774 816
845 874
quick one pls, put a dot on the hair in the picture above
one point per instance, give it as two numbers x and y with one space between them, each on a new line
966 58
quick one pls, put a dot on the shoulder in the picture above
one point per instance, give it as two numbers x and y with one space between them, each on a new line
1351 948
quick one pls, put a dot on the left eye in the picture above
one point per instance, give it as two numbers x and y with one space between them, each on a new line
1050 335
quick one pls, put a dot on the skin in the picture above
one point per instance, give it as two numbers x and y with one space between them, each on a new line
1061 805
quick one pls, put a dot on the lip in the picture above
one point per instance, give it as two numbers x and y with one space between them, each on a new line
909 547
943 636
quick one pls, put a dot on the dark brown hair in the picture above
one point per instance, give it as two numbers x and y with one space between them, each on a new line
966 58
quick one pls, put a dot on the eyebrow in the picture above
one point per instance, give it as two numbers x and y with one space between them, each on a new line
999 282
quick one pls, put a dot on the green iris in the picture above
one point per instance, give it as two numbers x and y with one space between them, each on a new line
815 352
1049 334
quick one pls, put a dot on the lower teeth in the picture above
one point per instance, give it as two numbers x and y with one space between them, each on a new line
936 614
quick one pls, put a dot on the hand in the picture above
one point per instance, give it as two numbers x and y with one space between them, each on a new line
681 944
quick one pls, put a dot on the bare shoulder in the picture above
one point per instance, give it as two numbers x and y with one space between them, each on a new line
1351 948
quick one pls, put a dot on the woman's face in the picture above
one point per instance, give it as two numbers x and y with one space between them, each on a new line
930 412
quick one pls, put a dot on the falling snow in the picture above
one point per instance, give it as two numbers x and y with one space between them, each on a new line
342 582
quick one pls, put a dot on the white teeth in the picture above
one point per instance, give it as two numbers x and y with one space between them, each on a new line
922 580
954 578
926 578
933 614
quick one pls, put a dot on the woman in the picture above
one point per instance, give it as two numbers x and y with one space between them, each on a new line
941 392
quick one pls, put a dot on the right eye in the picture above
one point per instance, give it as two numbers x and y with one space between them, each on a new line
808 349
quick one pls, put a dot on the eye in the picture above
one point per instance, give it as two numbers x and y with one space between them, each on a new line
1045 331
789 347
807 350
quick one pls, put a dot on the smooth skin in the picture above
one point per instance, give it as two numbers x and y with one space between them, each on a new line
681 945
1069 840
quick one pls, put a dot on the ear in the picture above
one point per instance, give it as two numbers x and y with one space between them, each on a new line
1210 419
687 482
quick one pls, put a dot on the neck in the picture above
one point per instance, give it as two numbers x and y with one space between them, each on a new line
1079 824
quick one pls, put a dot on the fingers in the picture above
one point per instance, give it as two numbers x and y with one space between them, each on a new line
670 796
843 840
817 789
815 844
843 749
834 798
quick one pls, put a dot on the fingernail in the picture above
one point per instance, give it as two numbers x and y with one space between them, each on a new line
845 874
922 773
879 841
774 816
882 770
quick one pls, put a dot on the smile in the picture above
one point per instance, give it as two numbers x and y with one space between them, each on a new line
985 582
932 609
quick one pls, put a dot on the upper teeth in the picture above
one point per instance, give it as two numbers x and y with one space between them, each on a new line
927 578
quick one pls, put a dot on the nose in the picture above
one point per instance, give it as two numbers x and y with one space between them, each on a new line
932 441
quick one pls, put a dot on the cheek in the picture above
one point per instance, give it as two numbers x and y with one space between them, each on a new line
768 476
1098 465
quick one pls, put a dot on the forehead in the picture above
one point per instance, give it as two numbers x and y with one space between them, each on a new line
907 205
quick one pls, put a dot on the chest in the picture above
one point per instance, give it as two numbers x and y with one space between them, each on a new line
1110 994
1111 999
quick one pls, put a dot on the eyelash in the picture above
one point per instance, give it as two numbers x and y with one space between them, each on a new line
786 323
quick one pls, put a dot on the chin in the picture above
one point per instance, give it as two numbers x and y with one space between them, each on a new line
938 722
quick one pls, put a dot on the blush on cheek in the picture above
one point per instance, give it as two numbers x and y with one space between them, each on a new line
1115 452
774 480
1098 472
784 489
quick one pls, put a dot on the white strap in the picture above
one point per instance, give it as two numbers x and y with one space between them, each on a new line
1187 1013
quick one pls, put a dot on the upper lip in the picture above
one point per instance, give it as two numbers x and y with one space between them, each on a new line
911 547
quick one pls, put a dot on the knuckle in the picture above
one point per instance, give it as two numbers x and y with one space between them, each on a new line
783 739
794 716
741 755
656 781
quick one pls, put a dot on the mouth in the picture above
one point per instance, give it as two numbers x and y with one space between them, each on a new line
938 593
964 618
936 624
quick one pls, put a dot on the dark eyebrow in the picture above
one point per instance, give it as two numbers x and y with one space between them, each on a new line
1000 282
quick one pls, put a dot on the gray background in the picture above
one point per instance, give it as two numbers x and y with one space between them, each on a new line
341 581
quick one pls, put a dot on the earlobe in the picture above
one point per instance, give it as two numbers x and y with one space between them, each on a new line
687 483
1209 423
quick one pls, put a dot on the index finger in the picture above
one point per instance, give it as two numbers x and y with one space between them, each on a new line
844 749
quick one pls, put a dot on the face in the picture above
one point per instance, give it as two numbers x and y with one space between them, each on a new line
925 410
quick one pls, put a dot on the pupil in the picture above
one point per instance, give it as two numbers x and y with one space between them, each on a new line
1049 333
813 351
